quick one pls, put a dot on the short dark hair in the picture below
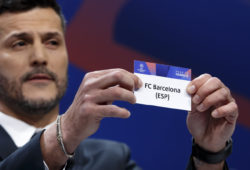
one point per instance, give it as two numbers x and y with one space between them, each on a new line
15 6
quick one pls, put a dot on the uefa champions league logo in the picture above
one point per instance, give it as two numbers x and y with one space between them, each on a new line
141 69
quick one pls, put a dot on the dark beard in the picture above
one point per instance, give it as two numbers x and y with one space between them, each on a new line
11 95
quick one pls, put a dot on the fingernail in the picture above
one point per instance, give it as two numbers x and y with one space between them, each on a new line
129 114
191 89
134 101
196 99
200 108
215 114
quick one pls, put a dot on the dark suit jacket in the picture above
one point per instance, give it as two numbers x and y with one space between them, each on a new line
91 154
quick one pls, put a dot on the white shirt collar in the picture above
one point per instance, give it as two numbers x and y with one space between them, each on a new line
19 131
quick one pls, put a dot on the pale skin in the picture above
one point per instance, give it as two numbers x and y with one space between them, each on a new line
93 101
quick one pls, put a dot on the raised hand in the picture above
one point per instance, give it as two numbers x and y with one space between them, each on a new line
214 112
93 102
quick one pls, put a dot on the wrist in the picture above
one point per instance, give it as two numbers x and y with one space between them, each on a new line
210 157
212 146
51 152
70 137
59 137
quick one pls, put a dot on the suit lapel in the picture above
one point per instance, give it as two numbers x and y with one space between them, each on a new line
7 146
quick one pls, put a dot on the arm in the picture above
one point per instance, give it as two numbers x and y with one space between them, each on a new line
107 154
92 103
213 117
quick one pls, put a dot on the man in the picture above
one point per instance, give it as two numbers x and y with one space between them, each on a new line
33 78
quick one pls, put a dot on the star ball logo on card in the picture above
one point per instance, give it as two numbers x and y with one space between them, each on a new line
141 69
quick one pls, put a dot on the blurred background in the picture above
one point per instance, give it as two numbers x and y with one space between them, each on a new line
207 36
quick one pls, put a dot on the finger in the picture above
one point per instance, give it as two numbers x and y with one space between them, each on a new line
103 72
113 111
207 88
111 94
229 111
195 84
138 82
99 73
113 77
219 96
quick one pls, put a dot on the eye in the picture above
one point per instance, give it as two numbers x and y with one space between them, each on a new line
52 43
19 44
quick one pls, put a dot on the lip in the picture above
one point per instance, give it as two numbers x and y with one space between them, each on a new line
40 78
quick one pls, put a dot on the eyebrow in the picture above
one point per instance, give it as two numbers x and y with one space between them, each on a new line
28 35
20 35
49 35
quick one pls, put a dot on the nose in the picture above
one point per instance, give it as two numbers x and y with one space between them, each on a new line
38 56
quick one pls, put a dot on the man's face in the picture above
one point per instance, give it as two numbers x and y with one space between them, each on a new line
33 60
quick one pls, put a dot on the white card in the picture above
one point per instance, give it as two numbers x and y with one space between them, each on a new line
163 85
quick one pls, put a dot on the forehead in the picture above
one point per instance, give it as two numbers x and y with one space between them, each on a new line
39 20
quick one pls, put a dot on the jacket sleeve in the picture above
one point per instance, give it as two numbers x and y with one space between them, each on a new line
28 157
130 164
102 154
191 166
